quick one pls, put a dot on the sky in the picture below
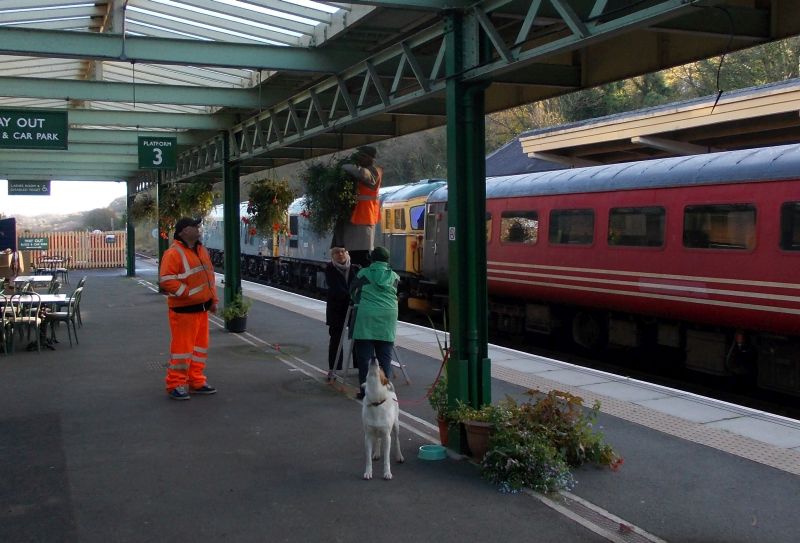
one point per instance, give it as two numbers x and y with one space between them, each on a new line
65 197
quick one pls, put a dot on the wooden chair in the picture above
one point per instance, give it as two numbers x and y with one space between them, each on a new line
27 317
68 316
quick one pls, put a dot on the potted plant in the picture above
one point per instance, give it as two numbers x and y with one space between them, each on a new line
267 203
437 398
330 196
479 423
235 314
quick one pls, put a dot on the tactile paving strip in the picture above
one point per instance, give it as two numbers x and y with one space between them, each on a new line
783 459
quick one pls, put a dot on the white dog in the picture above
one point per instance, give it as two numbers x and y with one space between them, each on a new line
380 414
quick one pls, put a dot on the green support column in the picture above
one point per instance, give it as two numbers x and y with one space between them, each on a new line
230 209
131 237
163 244
468 371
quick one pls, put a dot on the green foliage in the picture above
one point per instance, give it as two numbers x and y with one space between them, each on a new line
267 204
330 195
196 199
101 218
437 396
143 208
534 443
239 307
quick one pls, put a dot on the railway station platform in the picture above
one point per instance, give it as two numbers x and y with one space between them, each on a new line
92 449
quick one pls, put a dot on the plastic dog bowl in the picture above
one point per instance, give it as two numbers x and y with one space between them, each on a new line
432 452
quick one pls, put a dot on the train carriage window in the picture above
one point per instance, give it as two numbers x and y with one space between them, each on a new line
790 226
519 227
387 219
636 226
294 230
400 219
417 214
723 226
571 226
488 227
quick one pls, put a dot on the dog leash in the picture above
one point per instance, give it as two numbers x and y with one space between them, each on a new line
427 395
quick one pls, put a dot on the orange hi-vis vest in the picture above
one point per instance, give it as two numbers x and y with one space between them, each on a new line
368 206
187 275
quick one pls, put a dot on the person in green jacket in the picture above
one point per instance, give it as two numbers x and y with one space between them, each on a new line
374 293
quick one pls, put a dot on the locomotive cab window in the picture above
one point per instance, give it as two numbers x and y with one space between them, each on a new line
430 231
790 226
519 227
571 227
636 226
400 219
725 226
417 214
387 219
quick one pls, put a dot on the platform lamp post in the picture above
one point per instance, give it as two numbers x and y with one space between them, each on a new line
130 244
163 244
468 369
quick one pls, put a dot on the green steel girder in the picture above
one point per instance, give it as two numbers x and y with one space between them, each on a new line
360 92
106 91
89 46
128 137
67 158
144 119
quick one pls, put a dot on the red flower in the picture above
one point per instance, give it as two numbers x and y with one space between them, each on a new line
276 227
305 214
245 220
252 230
615 465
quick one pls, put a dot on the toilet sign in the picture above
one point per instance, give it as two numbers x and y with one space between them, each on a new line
158 153
28 188
33 129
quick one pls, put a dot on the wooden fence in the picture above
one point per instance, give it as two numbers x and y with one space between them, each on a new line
82 250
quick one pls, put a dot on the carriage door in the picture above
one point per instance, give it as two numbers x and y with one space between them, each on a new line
434 244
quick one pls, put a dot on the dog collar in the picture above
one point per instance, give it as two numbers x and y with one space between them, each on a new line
376 404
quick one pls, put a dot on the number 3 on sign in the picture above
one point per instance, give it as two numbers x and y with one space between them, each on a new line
157 159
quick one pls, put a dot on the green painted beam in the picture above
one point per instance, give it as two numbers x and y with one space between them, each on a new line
66 158
437 5
93 46
144 119
105 91
19 168
130 137
31 176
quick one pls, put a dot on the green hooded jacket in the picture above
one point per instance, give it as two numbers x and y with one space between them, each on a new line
374 291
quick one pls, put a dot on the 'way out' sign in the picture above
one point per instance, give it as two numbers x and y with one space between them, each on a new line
158 153
33 129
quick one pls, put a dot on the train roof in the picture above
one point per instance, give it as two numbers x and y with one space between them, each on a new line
743 166
422 187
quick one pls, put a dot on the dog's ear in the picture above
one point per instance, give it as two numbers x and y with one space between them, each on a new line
384 380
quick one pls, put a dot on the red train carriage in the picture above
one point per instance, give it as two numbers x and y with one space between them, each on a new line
700 254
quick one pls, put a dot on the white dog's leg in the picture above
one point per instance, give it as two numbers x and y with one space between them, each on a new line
376 448
368 450
386 443
398 455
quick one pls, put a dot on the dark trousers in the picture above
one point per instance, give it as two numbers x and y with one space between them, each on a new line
367 349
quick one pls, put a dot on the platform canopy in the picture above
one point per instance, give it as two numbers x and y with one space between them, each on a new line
288 80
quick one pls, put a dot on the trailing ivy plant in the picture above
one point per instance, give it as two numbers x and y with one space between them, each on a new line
143 208
196 199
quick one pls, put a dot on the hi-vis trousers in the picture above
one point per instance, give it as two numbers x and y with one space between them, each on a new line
188 349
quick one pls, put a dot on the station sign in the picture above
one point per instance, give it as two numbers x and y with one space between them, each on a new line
158 153
33 129
33 244
28 188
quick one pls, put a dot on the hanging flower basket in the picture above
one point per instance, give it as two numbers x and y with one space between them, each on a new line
267 207
143 208
196 199
169 209
330 196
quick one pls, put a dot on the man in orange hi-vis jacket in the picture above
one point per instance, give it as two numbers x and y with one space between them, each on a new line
358 235
187 276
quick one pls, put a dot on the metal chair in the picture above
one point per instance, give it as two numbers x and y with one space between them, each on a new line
68 316
7 314
63 271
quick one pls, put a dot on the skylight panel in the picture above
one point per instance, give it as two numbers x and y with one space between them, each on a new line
283 15
227 17
63 6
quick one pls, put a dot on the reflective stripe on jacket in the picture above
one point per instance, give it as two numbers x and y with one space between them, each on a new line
187 275
368 206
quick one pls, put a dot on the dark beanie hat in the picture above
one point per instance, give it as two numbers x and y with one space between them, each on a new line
380 254
183 222
368 150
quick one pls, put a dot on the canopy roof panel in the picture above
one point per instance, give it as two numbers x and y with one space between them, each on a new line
289 80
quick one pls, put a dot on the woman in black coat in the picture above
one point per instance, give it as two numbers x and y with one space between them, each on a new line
339 273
